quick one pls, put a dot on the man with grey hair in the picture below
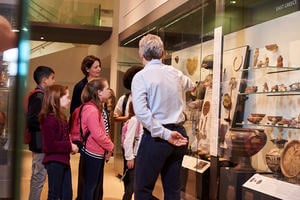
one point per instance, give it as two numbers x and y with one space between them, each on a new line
157 95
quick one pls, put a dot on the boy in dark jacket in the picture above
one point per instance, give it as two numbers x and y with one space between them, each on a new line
43 76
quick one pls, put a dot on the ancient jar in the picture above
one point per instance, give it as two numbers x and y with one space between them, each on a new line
245 143
273 156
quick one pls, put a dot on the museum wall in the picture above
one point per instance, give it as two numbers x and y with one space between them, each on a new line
66 64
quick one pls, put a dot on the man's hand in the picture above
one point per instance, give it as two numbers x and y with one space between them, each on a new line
177 139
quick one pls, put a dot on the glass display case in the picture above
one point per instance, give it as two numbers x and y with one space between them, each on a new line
13 70
267 104
6 145
247 94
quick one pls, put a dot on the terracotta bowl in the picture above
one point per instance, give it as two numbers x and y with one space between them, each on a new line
254 120
258 115
274 119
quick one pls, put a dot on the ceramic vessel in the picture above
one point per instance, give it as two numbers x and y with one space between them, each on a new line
254 120
246 143
273 156
274 119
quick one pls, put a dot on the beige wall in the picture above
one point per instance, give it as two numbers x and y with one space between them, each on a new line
66 65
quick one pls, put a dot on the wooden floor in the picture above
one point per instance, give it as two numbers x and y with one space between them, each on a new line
113 187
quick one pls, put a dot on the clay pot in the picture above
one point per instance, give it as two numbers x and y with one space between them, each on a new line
273 156
246 143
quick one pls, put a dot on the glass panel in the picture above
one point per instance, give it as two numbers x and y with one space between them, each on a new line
188 41
241 14
260 77
92 12
11 110
258 36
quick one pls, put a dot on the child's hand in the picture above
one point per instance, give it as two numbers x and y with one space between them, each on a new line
107 156
130 164
75 148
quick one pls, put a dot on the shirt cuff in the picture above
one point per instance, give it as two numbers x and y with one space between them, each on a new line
167 134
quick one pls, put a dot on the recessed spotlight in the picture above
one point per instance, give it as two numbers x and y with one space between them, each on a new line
232 2
42 38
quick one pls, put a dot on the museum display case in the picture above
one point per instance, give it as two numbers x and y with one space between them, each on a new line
268 100
243 116
6 99
13 71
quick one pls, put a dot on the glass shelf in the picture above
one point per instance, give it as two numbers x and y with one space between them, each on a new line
283 93
274 69
266 125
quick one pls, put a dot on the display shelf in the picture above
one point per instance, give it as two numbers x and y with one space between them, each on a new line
274 69
283 93
285 88
266 125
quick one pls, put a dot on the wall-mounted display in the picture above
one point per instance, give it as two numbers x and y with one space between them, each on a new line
272 103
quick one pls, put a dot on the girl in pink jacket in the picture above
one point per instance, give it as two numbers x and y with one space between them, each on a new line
99 146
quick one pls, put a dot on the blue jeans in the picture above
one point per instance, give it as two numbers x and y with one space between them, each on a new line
156 156
38 176
59 181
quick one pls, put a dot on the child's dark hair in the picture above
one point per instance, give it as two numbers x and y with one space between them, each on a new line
40 72
129 74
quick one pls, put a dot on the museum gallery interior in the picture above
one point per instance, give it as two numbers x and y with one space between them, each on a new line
242 118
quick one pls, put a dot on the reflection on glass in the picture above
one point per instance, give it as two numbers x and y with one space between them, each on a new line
95 12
